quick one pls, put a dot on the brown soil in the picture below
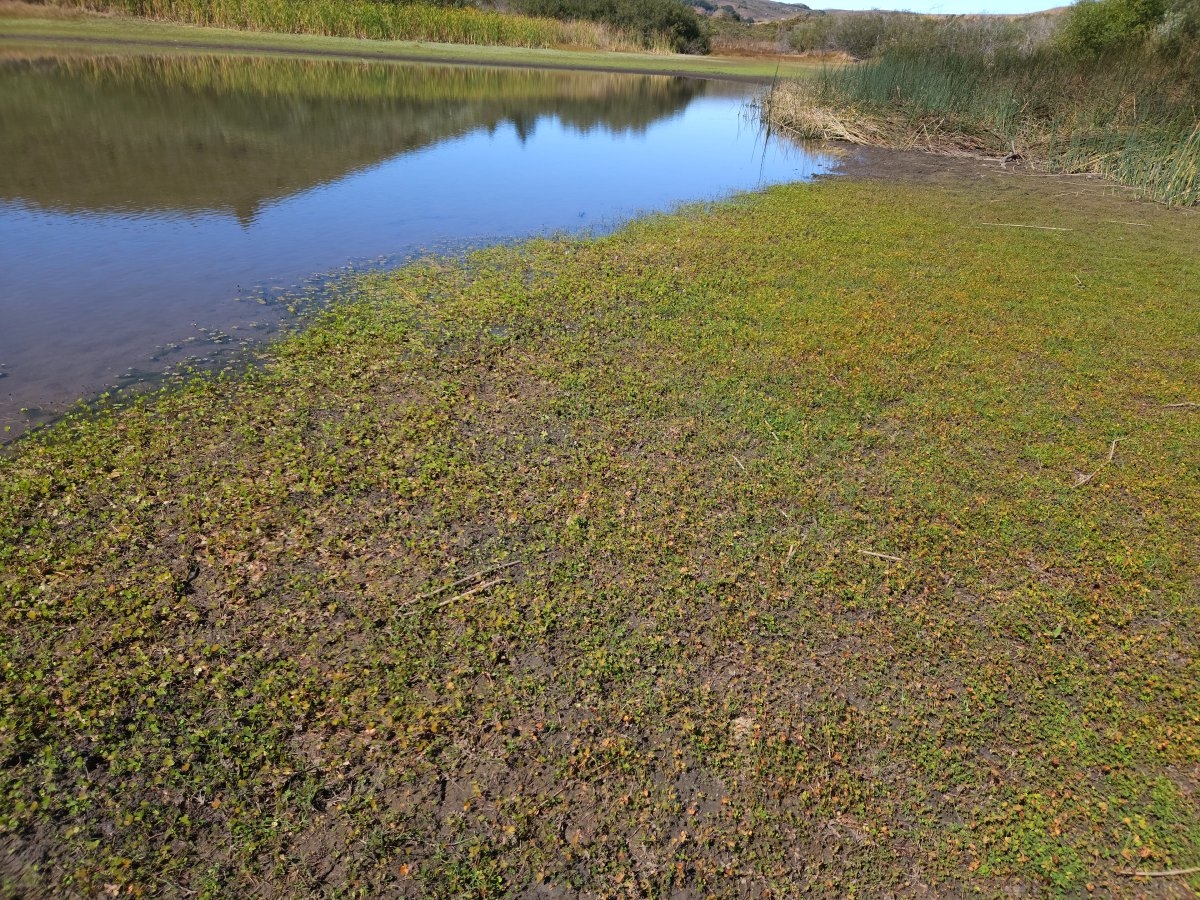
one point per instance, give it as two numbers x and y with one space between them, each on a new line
919 167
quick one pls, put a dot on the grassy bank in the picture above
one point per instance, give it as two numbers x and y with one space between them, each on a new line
22 34
836 539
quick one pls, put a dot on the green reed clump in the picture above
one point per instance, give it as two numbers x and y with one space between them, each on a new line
1129 115
952 87
1108 87
379 21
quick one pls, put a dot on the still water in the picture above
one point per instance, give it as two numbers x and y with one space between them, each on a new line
151 209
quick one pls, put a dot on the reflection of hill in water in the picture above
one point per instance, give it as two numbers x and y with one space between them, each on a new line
228 134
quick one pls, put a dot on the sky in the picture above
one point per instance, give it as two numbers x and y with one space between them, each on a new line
955 7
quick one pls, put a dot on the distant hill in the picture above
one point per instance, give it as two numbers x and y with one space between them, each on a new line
861 34
759 11
749 10
1054 11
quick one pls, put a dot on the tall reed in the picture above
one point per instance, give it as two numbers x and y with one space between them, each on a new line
1129 116
376 20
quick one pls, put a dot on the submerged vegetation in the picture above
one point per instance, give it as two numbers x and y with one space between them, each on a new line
641 24
832 539
1112 92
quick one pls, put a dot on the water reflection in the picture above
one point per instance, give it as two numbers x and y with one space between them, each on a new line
145 202
231 134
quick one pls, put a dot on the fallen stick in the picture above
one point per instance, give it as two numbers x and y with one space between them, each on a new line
1038 227
466 579
1112 451
881 555
479 588
1165 873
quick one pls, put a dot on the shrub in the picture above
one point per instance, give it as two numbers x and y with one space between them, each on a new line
651 20
1178 33
1094 27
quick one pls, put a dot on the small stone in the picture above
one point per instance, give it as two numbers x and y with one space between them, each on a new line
742 726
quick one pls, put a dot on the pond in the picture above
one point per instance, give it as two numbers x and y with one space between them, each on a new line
153 210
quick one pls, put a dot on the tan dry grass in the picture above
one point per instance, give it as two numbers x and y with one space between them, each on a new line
792 108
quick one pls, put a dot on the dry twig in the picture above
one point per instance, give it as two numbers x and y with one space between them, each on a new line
1037 227
881 555
463 596
1112 451
466 579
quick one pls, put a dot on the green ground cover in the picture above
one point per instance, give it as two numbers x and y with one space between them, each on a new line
772 547
123 35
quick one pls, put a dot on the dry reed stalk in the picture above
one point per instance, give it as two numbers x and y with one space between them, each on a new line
792 108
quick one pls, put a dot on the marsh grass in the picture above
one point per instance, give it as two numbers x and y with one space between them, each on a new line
1130 117
379 21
